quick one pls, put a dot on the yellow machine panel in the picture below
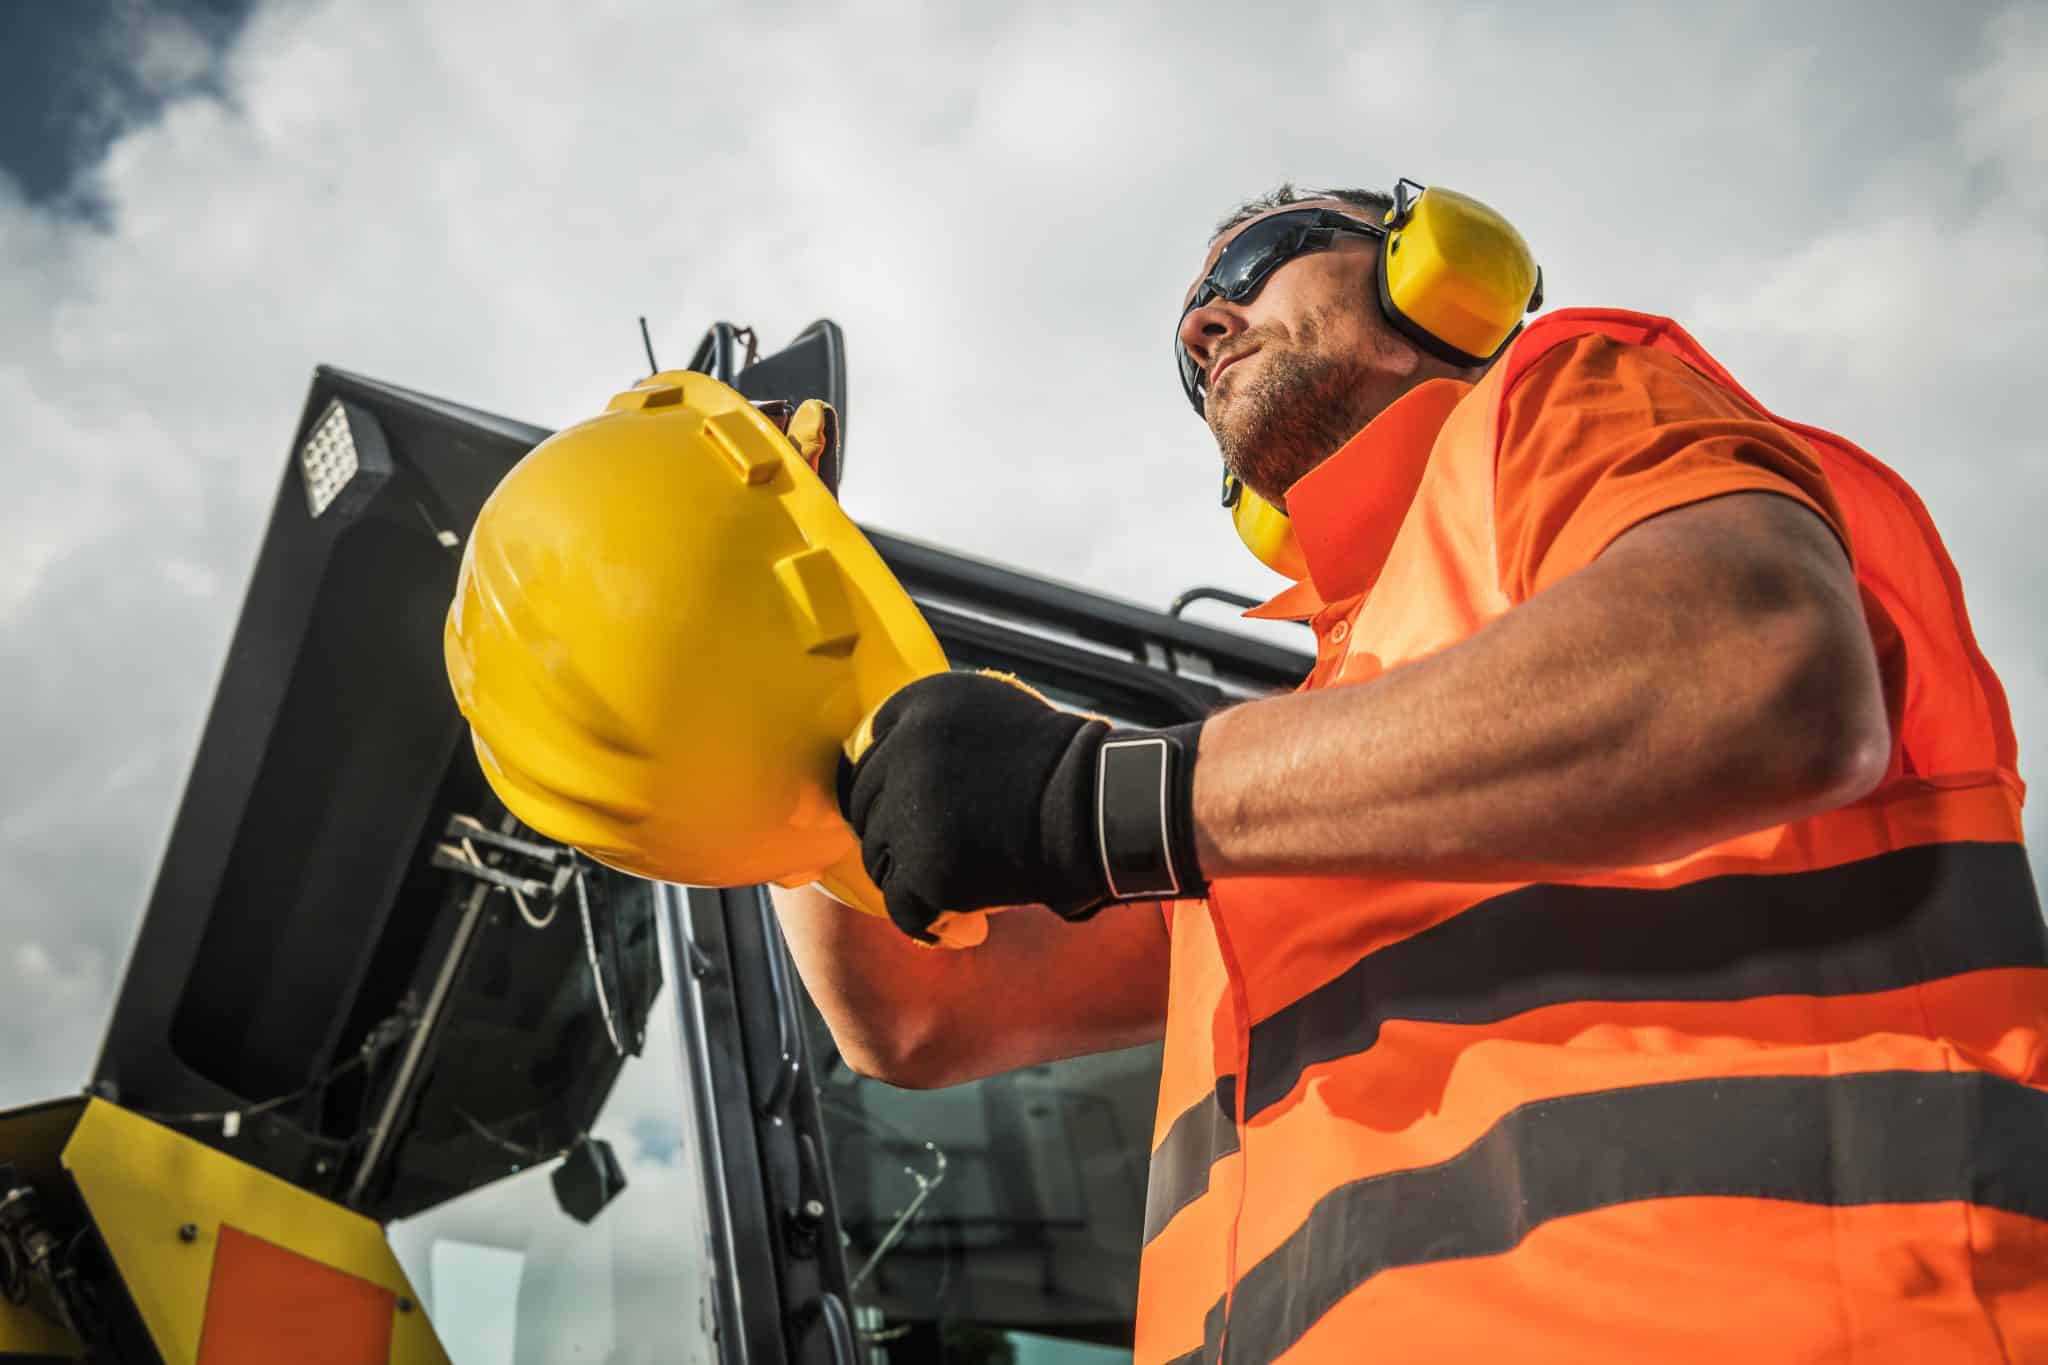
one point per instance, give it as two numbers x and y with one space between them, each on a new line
168 1207
224 1263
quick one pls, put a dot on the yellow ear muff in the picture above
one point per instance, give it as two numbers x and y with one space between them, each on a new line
1455 277
1267 533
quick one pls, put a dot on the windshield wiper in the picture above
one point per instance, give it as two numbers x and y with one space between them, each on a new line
926 1184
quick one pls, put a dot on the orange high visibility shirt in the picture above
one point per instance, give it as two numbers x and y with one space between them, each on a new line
1785 1098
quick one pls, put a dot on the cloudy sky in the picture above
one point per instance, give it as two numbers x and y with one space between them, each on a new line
200 201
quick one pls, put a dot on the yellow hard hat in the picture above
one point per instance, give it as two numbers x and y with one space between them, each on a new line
664 631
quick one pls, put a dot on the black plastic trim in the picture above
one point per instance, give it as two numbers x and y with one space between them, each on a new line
1120 625
744 1252
1141 689
779 1212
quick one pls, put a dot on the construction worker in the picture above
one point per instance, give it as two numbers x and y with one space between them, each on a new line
1621 948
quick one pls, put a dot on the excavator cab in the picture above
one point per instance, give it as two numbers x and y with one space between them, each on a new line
392 1077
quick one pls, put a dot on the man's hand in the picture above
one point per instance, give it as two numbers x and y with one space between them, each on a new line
978 793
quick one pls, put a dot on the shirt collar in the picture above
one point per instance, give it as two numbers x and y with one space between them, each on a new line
1348 509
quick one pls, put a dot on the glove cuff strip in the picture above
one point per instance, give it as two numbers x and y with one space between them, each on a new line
1144 789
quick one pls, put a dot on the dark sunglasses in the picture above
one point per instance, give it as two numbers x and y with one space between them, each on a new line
1241 271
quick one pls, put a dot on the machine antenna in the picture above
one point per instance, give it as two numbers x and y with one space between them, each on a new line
648 342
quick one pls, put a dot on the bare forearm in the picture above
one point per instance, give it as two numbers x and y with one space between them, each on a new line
869 981
1651 705
1037 990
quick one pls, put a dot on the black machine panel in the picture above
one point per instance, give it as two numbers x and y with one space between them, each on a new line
289 916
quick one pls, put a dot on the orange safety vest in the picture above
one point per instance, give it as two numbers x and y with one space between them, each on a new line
1783 1099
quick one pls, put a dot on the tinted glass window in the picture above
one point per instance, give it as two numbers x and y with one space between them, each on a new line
999 1220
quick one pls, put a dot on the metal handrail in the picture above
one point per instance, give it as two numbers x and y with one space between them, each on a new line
1224 595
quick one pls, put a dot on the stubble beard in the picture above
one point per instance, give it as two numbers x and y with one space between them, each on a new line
1288 417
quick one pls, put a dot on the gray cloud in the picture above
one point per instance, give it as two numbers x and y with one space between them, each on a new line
1002 207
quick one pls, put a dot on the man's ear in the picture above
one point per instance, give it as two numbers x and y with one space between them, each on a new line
1396 355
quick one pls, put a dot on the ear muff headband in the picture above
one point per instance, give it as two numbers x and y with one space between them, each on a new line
1455 278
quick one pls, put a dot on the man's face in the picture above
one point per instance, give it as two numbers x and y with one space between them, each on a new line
1305 362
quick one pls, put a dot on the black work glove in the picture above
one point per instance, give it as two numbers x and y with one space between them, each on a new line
976 793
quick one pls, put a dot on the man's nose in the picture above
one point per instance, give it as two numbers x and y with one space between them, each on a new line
1208 327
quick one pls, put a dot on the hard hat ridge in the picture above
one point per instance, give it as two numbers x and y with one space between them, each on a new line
664 630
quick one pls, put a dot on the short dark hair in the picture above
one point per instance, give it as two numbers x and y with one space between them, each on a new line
1378 203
